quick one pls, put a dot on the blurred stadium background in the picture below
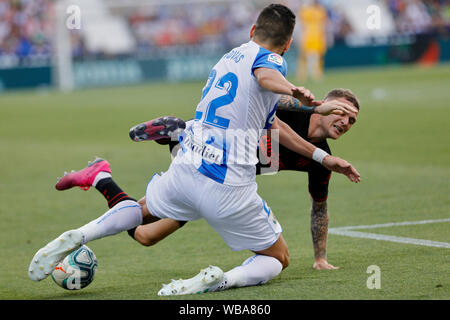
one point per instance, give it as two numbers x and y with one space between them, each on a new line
122 42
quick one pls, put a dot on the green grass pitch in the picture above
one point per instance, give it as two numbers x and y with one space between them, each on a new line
400 145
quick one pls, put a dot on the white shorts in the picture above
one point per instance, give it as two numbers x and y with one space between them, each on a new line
237 213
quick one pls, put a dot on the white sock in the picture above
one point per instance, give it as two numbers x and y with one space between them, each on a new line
123 216
101 175
256 270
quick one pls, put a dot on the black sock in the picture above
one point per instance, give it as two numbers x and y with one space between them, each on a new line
112 192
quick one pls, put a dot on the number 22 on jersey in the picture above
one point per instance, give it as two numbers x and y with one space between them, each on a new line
227 83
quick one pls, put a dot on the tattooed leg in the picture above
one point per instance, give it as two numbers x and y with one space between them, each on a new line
319 232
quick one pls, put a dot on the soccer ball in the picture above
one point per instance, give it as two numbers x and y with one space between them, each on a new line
77 270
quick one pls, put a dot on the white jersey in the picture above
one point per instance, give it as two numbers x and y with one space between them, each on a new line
231 116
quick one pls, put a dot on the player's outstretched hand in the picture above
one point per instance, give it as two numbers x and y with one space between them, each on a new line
341 166
322 264
305 96
334 107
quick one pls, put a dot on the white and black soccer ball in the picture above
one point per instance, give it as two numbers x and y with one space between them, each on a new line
77 270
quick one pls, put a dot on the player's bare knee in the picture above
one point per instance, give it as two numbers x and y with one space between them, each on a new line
286 260
283 257
283 252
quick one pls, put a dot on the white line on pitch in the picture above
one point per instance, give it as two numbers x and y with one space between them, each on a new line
392 224
347 231
376 236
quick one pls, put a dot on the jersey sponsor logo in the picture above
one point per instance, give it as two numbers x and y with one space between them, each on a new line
206 150
275 58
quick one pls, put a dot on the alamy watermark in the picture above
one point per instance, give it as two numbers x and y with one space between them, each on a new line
73 20
374 280
74 281
373 21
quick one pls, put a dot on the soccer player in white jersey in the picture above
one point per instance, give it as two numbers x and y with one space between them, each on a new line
210 178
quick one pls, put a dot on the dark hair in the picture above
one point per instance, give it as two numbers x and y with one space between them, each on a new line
275 24
344 93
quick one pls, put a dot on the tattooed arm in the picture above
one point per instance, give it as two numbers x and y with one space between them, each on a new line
324 107
319 232
289 103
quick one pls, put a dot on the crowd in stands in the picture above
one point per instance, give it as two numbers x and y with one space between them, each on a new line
26 26
227 25
216 25
417 16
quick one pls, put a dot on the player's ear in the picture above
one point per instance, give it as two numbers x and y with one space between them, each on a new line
288 45
252 31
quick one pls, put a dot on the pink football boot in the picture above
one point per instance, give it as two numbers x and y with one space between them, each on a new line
84 177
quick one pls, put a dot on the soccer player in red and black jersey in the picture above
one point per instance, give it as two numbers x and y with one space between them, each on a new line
316 129
305 121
